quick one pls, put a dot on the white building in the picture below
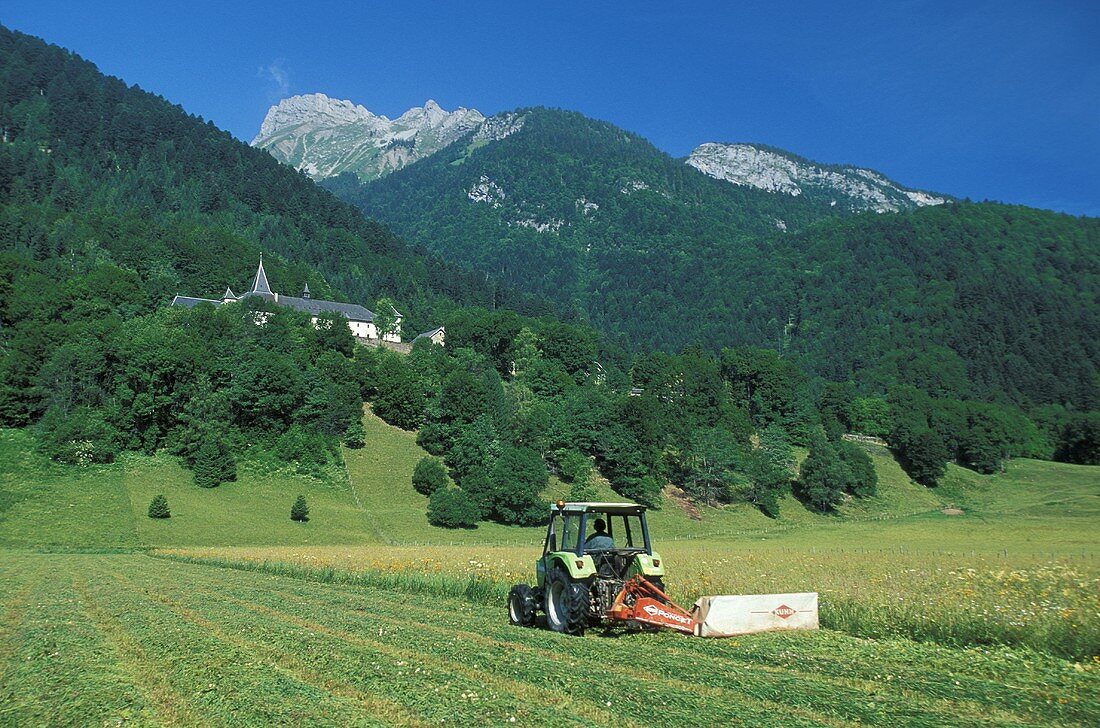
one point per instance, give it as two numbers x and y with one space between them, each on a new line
437 336
360 320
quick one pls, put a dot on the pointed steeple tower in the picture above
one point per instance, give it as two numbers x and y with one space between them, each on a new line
260 287
305 291
259 283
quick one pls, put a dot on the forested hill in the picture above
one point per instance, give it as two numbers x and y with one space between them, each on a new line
965 300
580 210
93 171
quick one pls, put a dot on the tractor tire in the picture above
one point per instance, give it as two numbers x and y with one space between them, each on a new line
657 582
522 606
567 603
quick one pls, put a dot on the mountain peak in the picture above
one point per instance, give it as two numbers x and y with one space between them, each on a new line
776 171
316 108
325 137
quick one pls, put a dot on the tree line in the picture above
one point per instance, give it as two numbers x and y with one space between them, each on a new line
512 400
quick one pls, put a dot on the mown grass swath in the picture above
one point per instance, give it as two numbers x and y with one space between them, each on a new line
180 640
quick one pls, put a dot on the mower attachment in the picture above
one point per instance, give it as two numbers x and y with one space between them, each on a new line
726 616
641 601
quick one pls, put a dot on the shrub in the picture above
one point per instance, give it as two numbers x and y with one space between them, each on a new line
214 464
356 436
307 448
399 399
582 491
575 466
767 482
864 479
429 476
158 507
300 510
79 437
1079 439
451 508
516 482
645 490
434 437
823 478
925 456
770 468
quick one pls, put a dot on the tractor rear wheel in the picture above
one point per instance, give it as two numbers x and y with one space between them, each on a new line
567 603
522 605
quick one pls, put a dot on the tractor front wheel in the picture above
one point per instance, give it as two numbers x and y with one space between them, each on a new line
567 603
522 605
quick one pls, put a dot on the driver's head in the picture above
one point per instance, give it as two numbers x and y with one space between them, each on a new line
600 525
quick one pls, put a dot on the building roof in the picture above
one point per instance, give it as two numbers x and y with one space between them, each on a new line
352 311
429 334
191 302
259 282
261 288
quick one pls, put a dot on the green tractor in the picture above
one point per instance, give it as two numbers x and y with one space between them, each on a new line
597 567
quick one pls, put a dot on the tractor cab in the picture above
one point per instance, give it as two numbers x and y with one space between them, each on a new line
601 565
570 538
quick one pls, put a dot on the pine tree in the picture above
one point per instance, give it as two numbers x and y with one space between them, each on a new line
158 507
299 511
214 464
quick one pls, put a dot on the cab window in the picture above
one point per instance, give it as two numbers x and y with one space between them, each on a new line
628 532
570 532
552 535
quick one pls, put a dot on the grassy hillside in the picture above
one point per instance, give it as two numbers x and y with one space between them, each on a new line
47 505
1053 506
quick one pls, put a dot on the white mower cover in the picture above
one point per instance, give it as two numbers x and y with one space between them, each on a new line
727 616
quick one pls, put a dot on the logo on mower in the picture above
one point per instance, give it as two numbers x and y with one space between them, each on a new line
783 611
653 610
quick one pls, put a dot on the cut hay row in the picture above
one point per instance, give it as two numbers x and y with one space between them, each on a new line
164 642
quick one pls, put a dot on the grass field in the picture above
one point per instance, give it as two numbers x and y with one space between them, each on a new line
106 639
368 615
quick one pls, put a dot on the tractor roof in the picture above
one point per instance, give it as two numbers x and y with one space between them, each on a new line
616 508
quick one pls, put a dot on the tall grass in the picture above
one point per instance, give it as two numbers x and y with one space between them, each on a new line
1050 607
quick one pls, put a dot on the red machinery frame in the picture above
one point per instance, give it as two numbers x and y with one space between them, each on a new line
651 606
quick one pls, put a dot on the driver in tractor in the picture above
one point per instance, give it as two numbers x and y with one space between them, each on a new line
599 540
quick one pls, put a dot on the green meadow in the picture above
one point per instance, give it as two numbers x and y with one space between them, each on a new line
229 612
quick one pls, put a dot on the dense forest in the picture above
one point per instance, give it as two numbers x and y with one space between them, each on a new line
93 171
112 200
970 301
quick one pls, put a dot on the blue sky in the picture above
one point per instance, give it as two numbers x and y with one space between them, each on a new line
987 100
